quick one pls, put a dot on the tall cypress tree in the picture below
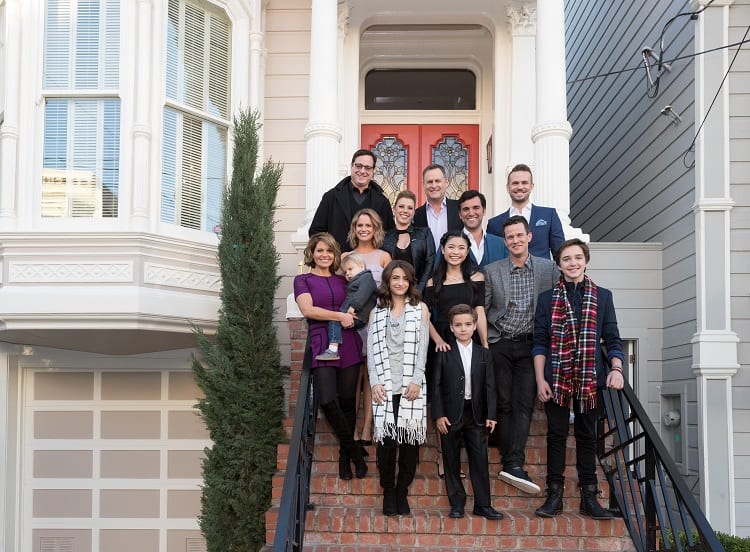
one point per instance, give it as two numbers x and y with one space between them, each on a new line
239 370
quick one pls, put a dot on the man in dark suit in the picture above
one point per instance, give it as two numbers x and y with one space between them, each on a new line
463 404
485 248
511 288
546 228
339 204
438 213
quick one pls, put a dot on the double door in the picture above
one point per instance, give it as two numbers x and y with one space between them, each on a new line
404 150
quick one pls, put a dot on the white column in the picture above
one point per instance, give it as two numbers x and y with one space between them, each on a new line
552 131
142 124
522 23
322 133
10 126
714 344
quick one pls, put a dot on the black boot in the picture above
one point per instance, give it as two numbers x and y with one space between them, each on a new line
402 503
553 505
389 502
590 505
345 468
350 449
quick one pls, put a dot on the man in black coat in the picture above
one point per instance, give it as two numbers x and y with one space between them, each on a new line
358 191
438 213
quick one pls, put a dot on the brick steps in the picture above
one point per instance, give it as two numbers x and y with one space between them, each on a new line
340 525
347 515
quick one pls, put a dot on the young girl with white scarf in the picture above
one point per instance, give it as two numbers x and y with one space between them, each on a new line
396 352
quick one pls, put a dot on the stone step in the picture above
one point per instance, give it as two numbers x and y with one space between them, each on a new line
519 530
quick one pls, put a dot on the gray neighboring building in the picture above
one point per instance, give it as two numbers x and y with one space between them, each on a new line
634 178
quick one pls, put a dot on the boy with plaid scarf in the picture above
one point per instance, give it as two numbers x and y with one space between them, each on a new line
571 320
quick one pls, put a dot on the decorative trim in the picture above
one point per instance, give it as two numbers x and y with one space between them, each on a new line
314 130
713 204
173 276
549 129
344 12
69 273
522 20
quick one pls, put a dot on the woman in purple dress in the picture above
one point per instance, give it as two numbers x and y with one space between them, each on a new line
319 295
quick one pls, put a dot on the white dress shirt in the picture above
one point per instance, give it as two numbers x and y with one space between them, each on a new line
465 352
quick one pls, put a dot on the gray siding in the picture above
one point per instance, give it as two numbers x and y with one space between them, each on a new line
628 180
739 178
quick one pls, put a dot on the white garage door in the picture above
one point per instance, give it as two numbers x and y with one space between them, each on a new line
111 461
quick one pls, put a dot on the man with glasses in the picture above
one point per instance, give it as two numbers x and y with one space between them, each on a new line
357 191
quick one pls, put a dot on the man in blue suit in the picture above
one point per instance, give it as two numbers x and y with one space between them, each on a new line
485 248
544 224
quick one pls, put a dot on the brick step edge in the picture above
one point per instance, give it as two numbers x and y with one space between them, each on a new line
362 521
469 543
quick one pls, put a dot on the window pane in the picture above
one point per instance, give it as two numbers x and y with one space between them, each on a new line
194 151
194 156
80 175
439 89
82 44
198 58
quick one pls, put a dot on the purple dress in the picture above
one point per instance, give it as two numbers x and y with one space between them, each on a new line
328 292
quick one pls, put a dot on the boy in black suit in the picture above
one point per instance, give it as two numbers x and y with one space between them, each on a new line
463 404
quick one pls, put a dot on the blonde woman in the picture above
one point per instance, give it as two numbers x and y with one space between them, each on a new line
366 235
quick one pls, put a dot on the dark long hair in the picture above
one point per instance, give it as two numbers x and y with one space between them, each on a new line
413 296
468 267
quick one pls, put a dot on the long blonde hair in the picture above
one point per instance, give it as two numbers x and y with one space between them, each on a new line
378 234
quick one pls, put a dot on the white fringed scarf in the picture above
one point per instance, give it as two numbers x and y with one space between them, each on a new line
411 425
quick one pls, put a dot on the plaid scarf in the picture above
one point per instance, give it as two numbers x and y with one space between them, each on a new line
412 415
573 346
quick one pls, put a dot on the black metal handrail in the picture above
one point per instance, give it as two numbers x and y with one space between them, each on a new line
290 528
656 504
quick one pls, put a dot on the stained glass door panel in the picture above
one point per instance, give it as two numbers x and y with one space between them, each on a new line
404 150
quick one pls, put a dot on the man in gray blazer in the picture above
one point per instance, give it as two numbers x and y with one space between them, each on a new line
512 286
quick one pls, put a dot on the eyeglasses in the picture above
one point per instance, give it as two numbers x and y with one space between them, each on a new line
361 167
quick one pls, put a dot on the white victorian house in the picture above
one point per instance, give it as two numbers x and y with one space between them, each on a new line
115 145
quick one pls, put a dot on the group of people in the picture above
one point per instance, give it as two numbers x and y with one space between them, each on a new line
478 323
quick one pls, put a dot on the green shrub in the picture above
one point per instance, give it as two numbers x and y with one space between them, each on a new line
239 371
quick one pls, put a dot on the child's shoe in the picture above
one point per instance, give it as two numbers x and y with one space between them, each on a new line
328 355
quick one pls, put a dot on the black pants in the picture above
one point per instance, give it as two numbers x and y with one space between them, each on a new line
584 429
475 438
516 390
408 458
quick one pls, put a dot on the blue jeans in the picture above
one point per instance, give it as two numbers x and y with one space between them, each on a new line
334 332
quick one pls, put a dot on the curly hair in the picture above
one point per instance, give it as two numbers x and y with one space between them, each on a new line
378 234
413 297
330 241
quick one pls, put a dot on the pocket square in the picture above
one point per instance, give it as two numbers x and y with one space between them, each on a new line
541 222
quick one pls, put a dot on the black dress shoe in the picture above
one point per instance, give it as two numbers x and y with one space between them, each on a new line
456 513
488 512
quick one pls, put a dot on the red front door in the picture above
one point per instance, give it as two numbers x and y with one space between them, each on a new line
404 150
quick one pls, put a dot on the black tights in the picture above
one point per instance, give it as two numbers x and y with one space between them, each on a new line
336 389
333 384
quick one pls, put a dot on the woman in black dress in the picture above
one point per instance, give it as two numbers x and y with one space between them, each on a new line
456 281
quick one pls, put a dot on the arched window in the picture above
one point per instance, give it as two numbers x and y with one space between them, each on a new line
196 115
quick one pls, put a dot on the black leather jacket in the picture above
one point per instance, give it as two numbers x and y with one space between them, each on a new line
422 251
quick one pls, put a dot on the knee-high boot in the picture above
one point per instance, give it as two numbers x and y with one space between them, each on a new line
345 433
